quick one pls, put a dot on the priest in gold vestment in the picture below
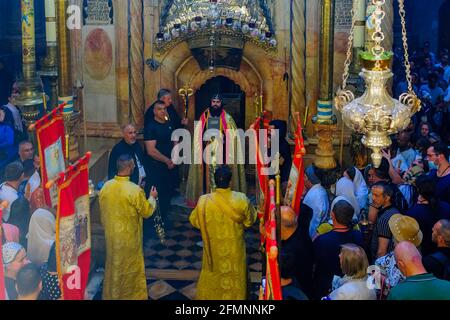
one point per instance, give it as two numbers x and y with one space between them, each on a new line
201 171
222 217
123 206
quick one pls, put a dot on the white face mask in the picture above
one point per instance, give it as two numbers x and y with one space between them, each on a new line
432 165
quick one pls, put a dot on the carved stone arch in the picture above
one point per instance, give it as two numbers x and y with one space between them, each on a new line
248 78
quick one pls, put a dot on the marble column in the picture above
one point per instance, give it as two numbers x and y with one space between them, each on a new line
325 121
65 89
30 86
49 65
298 102
137 101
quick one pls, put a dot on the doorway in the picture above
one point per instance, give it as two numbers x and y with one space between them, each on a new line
233 98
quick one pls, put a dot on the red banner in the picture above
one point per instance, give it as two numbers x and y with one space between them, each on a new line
2 276
273 280
51 146
262 180
296 182
73 230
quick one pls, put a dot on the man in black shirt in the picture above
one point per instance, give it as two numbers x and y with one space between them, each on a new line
327 246
438 263
296 243
159 165
128 145
165 96
382 196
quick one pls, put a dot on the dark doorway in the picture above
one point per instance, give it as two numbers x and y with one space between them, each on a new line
233 98
444 26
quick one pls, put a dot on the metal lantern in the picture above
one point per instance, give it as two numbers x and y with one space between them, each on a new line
376 114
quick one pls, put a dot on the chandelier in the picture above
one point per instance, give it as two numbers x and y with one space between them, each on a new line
245 19
376 115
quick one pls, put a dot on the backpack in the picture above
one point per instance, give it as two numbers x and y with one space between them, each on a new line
444 262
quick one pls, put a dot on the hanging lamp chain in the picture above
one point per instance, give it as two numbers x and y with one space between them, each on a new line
348 59
402 12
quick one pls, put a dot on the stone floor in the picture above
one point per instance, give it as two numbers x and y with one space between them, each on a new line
173 268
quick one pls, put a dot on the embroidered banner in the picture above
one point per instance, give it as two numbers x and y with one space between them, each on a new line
51 145
73 230
296 181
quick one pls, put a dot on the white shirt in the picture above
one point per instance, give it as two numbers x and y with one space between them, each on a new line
354 289
16 115
317 199
8 194
34 182
399 162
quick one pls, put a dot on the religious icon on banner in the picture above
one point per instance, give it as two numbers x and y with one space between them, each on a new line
75 234
54 164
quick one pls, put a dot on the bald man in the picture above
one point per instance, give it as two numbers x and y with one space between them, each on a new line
419 285
128 145
296 243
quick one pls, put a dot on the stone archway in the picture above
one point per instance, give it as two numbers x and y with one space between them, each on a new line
248 79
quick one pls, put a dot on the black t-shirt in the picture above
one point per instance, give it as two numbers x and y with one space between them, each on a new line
442 186
435 265
426 219
382 230
299 246
162 133
327 248
174 118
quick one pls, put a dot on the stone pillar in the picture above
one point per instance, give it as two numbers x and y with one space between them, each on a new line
65 89
49 65
30 86
325 121
137 101
298 102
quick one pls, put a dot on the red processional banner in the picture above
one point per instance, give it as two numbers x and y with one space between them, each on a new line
73 230
273 279
296 181
51 146
2 276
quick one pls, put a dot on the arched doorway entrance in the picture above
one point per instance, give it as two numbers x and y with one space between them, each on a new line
233 98
444 26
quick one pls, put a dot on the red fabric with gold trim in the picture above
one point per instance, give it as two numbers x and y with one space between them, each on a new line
73 230
51 147
2 276
296 182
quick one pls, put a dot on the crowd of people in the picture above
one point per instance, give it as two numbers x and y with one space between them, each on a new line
430 77
393 220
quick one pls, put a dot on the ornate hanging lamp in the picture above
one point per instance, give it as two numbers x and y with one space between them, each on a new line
376 114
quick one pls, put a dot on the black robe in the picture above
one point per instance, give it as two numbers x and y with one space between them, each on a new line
124 148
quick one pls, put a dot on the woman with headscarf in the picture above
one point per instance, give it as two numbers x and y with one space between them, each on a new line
20 217
49 275
41 235
345 188
360 187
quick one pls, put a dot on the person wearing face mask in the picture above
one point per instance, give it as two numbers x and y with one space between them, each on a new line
437 156
214 123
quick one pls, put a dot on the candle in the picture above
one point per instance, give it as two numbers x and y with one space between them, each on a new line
67 146
278 180
360 20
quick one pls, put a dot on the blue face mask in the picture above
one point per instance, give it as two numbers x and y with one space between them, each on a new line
431 165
